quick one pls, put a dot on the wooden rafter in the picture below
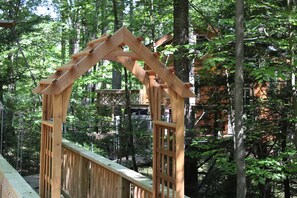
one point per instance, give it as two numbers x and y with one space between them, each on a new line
108 46
155 64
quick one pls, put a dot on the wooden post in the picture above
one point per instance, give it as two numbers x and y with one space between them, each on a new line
57 145
179 146
123 187
155 106
83 177
45 145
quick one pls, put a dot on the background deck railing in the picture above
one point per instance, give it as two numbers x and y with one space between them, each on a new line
12 183
86 174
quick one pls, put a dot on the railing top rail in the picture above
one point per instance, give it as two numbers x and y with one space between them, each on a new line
10 178
132 176
164 124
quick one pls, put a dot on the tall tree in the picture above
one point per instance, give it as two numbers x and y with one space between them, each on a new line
239 133
118 10
181 38
182 67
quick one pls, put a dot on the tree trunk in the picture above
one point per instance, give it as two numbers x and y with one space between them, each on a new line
182 68
117 77
63 39
239 133
118 23
130 127
181 38
293 77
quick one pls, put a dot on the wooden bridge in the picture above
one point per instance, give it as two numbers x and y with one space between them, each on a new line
84 174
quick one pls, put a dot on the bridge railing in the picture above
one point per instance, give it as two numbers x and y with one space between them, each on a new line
12 184
86 174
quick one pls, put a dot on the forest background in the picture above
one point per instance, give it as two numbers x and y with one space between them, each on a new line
48 32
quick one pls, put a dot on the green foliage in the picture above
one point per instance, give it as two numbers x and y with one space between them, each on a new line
260 170
47 43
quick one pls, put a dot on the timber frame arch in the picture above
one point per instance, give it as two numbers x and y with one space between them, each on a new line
168 137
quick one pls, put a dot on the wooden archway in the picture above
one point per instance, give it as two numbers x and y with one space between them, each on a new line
168 137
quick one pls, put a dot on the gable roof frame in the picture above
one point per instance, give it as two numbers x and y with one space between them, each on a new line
108 48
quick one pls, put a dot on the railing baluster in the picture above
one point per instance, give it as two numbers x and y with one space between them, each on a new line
97 176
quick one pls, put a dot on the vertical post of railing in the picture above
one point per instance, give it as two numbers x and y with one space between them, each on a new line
84 168
55 165
123 187
180 129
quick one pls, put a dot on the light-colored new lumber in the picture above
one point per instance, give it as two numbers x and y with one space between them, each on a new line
57 146
67 66
164 86
165 124
155 64
150 72
163 40
37 90
47 81
40 87
81 53
171 69
135 69
180 130
157 54
83 65
99 40
48 123
131 55
140 38
66 99
132 176
12 183
188 85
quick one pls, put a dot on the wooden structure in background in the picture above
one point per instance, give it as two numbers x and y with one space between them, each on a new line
116 97
7 23
168 138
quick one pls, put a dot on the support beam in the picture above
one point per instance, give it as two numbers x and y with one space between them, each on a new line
66 99
135 69
57 146
180 130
